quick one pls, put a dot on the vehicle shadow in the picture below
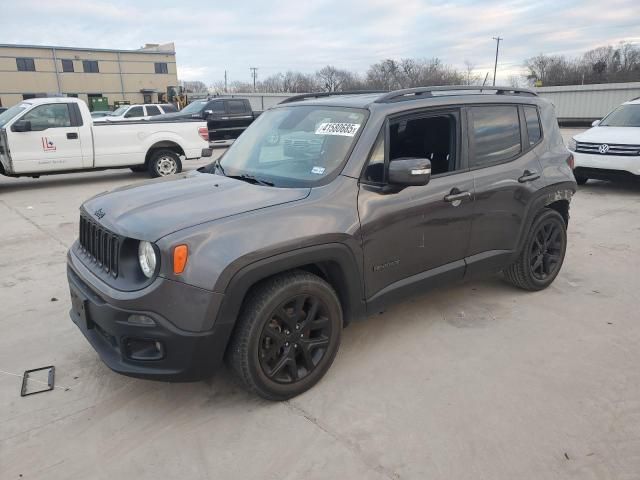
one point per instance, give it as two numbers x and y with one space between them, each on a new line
623 186
8 185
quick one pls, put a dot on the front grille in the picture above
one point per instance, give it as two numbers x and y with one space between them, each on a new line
614 149
99 245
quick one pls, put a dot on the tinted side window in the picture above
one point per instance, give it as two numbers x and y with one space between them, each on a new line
54 115
153 110
496 131
67 65
217 107
134 112
533 124
169 108
236 106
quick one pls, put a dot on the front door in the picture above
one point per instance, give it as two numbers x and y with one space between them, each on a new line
507 173
418 235
51 144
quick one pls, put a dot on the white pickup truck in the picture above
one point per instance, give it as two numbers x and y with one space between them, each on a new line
57 135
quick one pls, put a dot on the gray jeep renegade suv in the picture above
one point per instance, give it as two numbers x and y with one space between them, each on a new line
328 207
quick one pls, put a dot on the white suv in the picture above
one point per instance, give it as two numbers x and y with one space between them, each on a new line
137 112
611 149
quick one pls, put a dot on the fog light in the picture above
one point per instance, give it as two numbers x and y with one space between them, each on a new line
139 349
141 320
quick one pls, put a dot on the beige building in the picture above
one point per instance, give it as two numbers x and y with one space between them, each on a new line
138 76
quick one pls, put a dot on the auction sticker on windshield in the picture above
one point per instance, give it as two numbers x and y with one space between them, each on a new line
343 129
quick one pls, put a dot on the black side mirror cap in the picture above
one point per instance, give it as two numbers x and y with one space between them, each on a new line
409 171
21 126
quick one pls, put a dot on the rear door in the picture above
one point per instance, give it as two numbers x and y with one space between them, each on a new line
507 173
53 143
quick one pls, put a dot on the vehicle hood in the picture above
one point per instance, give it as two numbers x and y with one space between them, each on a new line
616 135
155 208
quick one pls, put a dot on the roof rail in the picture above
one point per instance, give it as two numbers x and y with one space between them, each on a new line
412 93
306 96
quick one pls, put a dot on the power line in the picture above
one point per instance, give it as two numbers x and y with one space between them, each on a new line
495 65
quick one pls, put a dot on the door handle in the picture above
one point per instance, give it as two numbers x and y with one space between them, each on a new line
456 196
529 176
72 136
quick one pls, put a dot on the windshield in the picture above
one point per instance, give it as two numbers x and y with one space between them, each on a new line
12 112
624 116
194 107
119 111
294 146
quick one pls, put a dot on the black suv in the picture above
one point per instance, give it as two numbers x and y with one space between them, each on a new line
327 208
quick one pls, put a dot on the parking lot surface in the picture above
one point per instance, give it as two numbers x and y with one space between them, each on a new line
472 381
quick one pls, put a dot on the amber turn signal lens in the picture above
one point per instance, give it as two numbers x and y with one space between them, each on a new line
180 255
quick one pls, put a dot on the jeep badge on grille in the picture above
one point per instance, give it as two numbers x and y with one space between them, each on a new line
99 213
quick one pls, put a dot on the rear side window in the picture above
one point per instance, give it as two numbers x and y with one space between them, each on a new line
533 124
236 106
169 108
496 134
153 110
217 107
134 112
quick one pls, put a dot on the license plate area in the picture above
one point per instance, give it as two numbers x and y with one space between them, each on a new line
79 310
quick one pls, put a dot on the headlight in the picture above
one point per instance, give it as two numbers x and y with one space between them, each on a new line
571 144
147 258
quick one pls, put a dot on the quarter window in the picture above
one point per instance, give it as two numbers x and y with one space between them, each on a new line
25 65
67 65
90 66
54 115
217 107
161 68
496 133
533 124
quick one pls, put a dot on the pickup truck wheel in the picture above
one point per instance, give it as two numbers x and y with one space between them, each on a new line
163 163
287 335
542 255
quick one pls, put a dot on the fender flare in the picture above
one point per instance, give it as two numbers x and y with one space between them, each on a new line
347 279
546 196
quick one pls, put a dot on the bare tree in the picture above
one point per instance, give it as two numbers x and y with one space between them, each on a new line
470 77
195 86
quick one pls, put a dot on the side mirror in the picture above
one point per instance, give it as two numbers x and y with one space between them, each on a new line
409 171
21 126
595 123
208 112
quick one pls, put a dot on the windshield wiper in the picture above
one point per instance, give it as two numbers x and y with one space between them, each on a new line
251 179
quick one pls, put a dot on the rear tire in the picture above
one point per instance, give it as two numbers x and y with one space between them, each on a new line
542 255
163 163
287 335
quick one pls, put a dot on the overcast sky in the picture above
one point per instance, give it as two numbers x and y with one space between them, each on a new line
279 35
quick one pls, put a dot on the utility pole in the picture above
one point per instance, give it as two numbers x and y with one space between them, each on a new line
225 81
254 74
495 66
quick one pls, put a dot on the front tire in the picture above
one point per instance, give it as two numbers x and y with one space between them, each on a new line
163 163
542 255
287 335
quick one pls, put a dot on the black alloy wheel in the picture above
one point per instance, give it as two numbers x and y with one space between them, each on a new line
294 339
287 335
546 250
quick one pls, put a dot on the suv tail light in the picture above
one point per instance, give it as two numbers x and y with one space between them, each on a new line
204 133
570 161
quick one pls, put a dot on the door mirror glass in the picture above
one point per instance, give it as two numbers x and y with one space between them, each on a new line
21 126
208 112
409 171
595 123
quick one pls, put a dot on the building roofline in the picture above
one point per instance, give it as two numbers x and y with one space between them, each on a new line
84 49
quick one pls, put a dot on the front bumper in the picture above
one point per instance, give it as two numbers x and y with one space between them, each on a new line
104 321
621 163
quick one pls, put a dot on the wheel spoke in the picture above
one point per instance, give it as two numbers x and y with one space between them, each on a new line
306 356
280 364
314 343
293 368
